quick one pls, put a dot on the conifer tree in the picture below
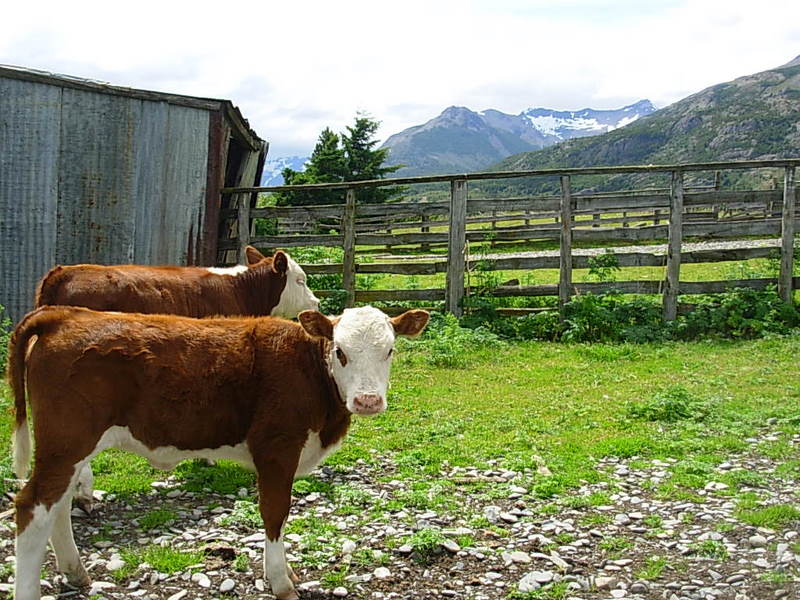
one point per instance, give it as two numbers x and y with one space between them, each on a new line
350 156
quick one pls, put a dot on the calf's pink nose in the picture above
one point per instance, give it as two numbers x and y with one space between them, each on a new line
367 403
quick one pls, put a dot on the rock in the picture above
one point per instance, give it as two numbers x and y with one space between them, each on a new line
178 595
622 519
508 517
348 547
115 564
604 583
451 546
307 586
340 592
492 513
201 579
405 549
619 593
639 587
520 557
382 573
757 541
227 585
528 584
99 586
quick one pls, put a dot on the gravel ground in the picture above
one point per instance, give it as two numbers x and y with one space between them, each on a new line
564 547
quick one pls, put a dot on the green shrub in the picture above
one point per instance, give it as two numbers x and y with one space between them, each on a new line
739 313
610 318
446 344
669 406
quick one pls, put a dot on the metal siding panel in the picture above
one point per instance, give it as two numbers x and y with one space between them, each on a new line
184 181
96 210
150 145
29 147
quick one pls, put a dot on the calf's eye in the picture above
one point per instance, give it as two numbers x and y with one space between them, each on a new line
341 356
391 351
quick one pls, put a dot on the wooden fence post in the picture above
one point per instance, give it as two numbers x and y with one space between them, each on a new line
243 226
565 246
457 241
787 237
349 244
674 247
425 246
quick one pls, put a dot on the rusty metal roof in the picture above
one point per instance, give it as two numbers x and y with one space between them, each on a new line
231 112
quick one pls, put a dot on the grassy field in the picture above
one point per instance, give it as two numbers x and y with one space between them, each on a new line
470 400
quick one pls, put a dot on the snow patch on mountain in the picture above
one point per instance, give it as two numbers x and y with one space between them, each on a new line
567 124
273 168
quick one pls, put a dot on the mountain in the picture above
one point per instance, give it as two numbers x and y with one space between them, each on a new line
752 117
461 140
273 168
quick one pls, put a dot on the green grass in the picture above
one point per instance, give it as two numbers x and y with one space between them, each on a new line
772 517
516 400
653 568
156 519
710 549
160 558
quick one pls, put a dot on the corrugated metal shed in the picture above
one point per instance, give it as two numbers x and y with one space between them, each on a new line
94 173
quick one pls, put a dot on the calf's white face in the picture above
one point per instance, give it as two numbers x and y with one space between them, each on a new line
361 351
296 297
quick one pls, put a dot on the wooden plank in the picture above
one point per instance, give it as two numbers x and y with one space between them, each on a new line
243 226
349 235
289 241
621 287
522 263
486 176
456 248
565 246
30 137
674 247
787 237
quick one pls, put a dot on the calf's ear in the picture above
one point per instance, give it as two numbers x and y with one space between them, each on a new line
280 262
410 323
316 324
253 255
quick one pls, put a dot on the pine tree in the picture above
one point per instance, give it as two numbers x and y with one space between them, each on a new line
350 156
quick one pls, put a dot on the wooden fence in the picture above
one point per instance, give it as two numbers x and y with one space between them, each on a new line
671 214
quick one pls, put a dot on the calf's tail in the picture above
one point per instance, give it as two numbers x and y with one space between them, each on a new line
34 324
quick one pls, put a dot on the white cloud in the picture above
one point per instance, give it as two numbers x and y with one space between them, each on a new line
295 68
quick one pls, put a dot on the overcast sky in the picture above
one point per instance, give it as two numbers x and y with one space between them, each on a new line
296 66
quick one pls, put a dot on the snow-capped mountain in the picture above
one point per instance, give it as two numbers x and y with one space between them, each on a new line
460 139
569 124
273 168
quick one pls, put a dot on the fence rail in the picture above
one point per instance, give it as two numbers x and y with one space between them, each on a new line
572 217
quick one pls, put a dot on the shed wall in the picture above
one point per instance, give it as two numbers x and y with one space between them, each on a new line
94 177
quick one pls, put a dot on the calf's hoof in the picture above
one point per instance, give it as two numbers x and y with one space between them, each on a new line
79 580
85 504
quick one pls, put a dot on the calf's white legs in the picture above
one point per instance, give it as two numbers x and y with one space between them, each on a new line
67 556
31 546
277 570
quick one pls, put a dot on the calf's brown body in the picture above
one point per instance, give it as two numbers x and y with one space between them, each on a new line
187 291
272 394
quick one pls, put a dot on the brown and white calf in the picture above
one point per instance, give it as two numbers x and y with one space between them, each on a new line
274 285
274 395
